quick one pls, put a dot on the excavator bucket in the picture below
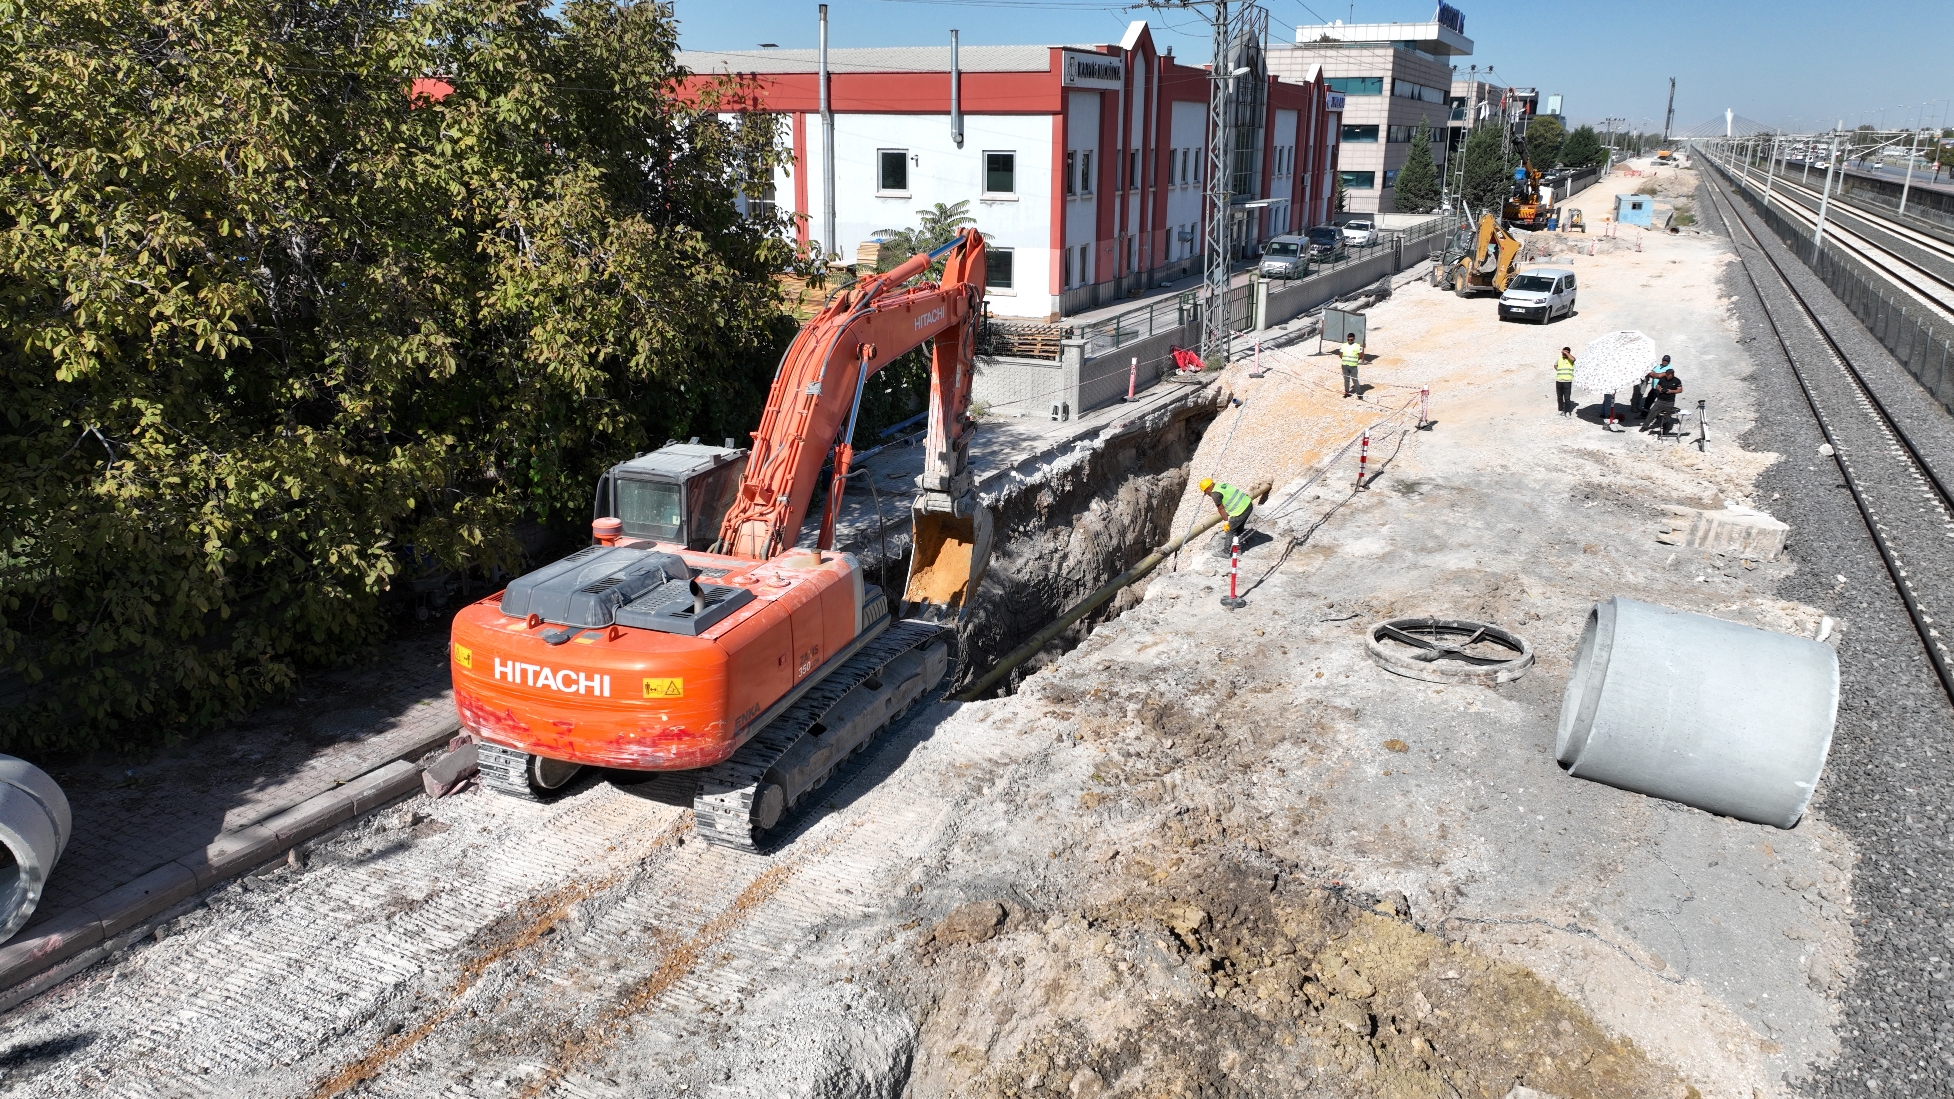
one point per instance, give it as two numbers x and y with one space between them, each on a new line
947 560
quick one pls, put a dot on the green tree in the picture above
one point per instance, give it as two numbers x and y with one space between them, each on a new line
1545 136
1337 196
935 228
278 338
1417 187
1583 148
1487 175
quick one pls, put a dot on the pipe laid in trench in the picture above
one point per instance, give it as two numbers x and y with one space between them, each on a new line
1024 652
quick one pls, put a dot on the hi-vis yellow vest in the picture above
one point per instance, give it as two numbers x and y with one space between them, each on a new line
1353 354
1233 500
1564 369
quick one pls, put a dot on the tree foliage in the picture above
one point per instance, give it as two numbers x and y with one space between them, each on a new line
1583 148
278 338
1417 187
1487 175
1545 135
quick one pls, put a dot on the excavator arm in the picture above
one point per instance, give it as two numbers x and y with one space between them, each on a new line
817 394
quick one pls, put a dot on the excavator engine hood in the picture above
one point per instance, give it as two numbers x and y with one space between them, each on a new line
602 586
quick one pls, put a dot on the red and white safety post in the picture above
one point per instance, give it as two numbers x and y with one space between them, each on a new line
1363 457
1424 407
1132 377
1258 371
1233 601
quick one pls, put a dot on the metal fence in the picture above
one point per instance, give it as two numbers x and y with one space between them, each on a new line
1923 347
1167 313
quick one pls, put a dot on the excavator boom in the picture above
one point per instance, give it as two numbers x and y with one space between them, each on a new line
817 394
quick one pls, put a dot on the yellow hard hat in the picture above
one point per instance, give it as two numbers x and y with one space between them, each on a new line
1207 483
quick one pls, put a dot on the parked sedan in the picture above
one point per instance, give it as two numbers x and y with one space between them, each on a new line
1325 243
1360 233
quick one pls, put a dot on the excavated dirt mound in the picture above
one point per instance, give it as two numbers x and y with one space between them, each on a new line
1252 983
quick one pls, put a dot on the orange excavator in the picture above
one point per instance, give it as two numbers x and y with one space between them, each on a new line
744 664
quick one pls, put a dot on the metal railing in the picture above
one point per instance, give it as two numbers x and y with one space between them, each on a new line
1905 330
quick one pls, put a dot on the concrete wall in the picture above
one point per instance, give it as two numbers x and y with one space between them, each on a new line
1010 386
1285 300
1102 380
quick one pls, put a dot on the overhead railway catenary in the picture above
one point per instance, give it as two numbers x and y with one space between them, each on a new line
1918 263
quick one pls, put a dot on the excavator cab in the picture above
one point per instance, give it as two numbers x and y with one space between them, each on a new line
677 494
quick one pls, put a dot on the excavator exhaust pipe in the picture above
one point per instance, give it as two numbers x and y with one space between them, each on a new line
949 553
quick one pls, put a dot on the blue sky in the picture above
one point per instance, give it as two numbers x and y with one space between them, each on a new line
1786 63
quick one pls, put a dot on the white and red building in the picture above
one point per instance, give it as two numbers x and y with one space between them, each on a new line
1085 166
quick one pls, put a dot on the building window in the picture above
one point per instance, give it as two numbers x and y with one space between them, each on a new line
762 208
1354 135
1067 264
1071 160
1085 263
997 268
1356 85
1001 173
1184 153
1085 172
1133 170
1399 134
1405 89
894 174
1391 177
1358 181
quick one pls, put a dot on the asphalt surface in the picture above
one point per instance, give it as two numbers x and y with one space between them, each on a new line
1890 759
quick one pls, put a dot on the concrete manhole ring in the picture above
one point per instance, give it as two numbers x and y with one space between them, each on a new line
1449 650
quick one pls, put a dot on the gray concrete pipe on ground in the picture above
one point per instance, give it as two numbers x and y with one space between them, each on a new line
1721 716
34 827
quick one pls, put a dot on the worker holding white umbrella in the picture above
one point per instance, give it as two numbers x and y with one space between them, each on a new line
1612 363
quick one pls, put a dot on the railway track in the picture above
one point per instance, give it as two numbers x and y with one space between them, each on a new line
1918 263
1906 505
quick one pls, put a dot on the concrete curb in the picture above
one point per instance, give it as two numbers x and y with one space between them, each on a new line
85 928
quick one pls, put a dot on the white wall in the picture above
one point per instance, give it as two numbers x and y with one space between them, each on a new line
1282 167
1081 211
941 172
1187 131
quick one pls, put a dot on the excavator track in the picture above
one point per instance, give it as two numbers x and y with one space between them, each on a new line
723 807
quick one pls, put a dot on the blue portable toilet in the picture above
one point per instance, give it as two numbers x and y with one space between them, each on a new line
1634 210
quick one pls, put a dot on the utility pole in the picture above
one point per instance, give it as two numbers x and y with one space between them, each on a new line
827 148
1670 119
1245 24
1825 194
1770 173
1913 150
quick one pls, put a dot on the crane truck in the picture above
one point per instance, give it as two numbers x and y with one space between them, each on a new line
694 635
1525 205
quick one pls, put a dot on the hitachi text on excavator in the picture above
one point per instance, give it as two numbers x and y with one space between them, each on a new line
694 635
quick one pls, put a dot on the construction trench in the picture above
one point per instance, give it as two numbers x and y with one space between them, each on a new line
1191 852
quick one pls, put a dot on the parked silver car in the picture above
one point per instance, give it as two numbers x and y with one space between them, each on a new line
1285 257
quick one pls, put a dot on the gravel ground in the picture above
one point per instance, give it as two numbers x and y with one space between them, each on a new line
1889 764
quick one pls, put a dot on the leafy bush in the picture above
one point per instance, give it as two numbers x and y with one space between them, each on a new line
278 337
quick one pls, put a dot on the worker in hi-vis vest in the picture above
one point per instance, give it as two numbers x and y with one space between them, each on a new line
1564 382
1353 356
1234 504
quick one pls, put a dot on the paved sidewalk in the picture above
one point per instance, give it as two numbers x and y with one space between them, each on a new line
131 817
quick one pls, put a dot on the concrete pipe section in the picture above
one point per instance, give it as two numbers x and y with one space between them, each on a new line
1728 718
34 826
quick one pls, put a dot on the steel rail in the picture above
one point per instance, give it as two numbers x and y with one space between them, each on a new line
1932 290
1937 655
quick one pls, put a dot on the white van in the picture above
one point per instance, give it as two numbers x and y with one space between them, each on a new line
1541 294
